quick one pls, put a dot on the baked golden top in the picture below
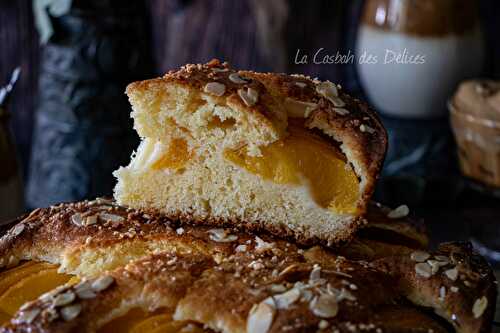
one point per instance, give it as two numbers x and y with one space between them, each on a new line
233 281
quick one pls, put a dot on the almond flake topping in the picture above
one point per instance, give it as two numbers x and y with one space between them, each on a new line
77 219
442 258
102 283
419 256
323 324
219 70
260 318
315 274
221 235
111 217
451 274
262 245
236 78
70 312
479 307
249 96
365 128
89 220
324 306
423 269
442 293
284 300
399 212
84 290
64 299
436 265
299 109
241 248
27 316
18 229
341 111
327 89
215 88
300 84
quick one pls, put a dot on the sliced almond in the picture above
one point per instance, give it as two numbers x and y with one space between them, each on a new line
330 91
102 283
27 316
260 318
64 299
442 258
220 235
215 88
366 128
277 288
451 274
399 212
77 219
89 220
300 84
479 307
327 89
84 290
18 229
284 300
419 256
240 248
70 312
236 78
423 269
442 293
341 111
323 324
249 96
219 70
111 217
436 265
315 273
324 306
299 109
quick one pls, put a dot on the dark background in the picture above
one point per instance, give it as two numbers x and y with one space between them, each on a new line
198 30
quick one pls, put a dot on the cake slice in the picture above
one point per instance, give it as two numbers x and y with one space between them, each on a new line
293 156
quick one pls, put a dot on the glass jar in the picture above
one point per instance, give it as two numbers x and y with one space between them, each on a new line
412 54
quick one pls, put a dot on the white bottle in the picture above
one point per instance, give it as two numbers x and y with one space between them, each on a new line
412 54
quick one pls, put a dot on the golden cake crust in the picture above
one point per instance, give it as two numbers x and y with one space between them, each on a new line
235 272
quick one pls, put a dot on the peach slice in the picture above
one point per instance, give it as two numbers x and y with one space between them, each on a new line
14 275
4 317
177 156
29 288
305 158
125 322
152 323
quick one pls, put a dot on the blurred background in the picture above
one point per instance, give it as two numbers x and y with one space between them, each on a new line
68 127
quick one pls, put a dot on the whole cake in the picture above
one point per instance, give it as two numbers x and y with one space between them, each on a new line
284 153
100 267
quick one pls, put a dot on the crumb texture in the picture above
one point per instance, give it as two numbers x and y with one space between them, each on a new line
278 152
